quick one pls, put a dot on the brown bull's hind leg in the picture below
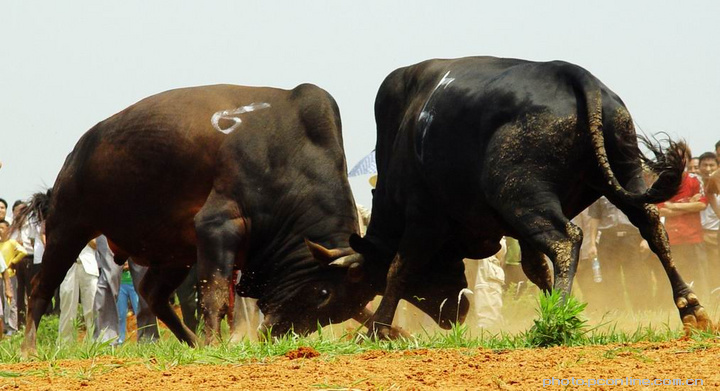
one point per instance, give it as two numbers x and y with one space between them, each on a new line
63 246
693 314
156 288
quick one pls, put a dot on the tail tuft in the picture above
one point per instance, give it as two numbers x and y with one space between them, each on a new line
667 165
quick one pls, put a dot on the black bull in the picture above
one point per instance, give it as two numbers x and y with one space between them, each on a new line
471 149
233 177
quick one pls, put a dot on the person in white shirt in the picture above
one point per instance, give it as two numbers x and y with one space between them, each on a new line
486 278
22 231
80 284
709 219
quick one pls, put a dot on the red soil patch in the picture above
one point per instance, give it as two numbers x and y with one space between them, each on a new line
302 352
423 369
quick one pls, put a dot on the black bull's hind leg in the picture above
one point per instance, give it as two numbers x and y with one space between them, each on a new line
535 267
156 288
543 228
562 246
647 219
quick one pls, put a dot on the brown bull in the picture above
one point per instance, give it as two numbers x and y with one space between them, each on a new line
233 177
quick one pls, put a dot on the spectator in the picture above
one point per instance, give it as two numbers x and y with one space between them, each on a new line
12 253
247 317
80 284
486 278
514 275
693 166
22 231
127 293
6 286
684 228
105 306
187 294
618 245
3 209
592 292
709 219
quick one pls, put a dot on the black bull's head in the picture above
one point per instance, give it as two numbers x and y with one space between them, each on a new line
438 289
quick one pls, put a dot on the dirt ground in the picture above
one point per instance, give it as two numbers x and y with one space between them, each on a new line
455 369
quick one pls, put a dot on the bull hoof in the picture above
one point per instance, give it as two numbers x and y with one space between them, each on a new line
27 351
693 315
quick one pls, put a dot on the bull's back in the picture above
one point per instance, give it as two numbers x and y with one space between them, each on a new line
293 182
475 121
141 175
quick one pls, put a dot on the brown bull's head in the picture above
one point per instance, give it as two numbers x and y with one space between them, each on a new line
331 290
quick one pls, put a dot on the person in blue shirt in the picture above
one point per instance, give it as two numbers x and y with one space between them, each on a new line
127 292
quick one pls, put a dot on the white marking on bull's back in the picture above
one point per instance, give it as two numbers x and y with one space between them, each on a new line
424 114
445 81
234 115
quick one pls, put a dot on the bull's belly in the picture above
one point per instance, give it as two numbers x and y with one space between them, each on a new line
154 240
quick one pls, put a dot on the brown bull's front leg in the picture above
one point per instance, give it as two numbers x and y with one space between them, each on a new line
220 232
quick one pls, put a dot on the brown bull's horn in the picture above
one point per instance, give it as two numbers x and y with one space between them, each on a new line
355 272
347 260
323 254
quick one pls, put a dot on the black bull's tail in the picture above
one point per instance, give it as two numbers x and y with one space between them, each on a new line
667 164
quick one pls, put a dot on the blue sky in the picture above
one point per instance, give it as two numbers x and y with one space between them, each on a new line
68 65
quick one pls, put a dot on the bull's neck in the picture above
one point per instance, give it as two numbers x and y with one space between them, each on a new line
277 242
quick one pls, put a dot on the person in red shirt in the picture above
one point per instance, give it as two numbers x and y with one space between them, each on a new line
685 232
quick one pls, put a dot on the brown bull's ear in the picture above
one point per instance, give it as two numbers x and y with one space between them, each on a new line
325 255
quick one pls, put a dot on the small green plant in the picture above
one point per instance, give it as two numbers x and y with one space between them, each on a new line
559 323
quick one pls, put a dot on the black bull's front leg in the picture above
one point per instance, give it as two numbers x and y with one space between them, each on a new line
381 323
419 246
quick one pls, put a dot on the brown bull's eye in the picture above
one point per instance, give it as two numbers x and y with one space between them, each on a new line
324 293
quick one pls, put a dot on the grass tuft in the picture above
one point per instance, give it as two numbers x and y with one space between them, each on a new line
560 321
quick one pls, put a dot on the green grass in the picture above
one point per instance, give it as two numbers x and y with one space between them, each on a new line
560 322
555 324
